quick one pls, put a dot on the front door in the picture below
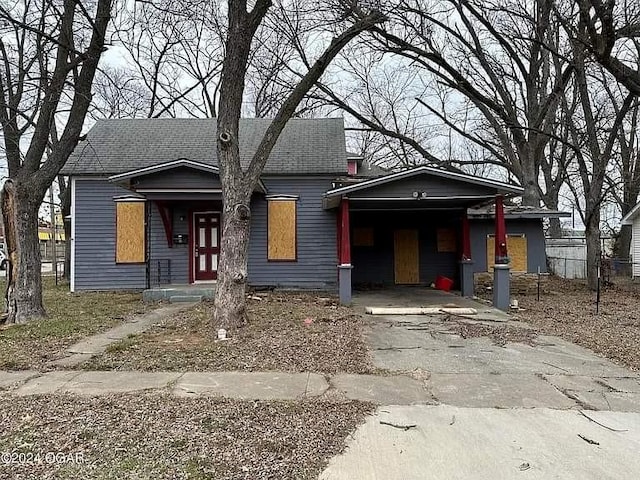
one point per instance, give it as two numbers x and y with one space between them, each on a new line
206 245
406 259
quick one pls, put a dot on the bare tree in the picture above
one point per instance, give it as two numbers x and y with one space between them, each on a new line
45 47
506 63
238 184
594 127
611 33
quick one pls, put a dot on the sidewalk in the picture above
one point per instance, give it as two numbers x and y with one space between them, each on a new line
398 389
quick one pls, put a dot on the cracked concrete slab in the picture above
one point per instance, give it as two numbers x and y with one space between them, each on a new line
11 379
46 383
251 385
96 383
606 400
384 390
100 383
445 442
497 390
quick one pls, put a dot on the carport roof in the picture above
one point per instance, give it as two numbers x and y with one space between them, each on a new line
332 197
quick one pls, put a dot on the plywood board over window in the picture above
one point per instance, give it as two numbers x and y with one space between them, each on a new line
282 235
446 240
516 249
130 231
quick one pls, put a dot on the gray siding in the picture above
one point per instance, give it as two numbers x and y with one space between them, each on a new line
178 255
95 241
536 256
317 256
375 264
434 186
95 265
179 178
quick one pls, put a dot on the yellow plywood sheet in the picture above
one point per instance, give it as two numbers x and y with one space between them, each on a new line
363 237
282 230
130 235
406 257
447 240
516 249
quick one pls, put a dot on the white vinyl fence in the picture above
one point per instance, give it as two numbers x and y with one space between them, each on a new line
567 257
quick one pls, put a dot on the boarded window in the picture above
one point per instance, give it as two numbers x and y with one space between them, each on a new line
282 230
363 237
130 235
446 240
516 249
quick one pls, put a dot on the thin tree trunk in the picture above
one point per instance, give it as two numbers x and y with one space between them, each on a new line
65 208
592 233
23 295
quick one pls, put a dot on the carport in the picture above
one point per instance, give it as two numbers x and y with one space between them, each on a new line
410 227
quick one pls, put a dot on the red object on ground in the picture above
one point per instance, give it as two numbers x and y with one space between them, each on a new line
443 283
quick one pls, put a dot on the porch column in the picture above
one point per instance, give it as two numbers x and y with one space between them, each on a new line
501 288
466 263
344 257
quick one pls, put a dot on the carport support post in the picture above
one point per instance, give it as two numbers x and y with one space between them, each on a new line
466 264
501 287
344 240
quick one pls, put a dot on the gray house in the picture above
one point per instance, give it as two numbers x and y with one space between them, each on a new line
146 211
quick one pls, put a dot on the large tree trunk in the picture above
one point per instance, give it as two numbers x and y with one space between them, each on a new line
23 295
230 302
592 233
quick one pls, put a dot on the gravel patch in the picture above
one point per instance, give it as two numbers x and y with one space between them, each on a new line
158 437
569 311
291 332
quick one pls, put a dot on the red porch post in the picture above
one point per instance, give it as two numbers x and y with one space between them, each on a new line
344 253
501 253
501 280
344 240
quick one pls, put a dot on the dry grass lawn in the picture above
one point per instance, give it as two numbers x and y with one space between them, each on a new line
160 437
294 332
71 318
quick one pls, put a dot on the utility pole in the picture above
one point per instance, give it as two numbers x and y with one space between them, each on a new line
54 260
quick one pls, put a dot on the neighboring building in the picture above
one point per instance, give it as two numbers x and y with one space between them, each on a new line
633 218
146 210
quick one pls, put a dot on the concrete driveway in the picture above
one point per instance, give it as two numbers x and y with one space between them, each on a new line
537 410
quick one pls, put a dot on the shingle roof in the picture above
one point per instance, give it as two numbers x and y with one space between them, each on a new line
114 146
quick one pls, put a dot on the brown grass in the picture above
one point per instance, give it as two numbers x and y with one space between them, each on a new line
71 318
276 338
160 437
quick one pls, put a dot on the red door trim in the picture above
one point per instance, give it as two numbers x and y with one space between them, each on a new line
211 250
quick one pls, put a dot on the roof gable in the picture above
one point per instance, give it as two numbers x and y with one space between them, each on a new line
631 216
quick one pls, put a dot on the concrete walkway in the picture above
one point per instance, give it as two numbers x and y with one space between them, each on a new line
97 344
398 389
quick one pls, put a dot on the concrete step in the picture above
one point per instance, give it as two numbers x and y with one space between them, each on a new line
185 298
158 294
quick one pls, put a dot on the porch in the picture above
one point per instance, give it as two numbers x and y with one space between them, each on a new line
411 227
